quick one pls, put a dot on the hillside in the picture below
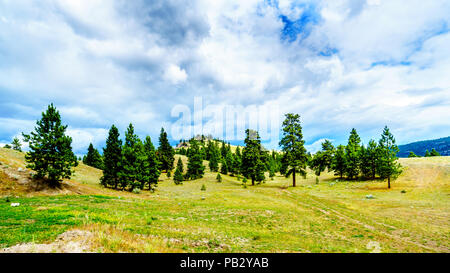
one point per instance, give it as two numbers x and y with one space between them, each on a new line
331 216
442 145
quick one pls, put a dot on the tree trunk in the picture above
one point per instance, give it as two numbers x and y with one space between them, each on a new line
293 178
253 181
389 182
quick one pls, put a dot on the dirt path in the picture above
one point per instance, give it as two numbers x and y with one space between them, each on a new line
73 241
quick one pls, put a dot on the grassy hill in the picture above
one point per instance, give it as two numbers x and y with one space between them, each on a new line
442 145
331 216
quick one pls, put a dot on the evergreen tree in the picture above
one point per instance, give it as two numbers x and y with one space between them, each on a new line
230 162
219 178
292 145
338 164
252 157
427 153
223 150
236 165
165 152
16 145
195 168
327 153
50 152
112 156
152 165
178 175
224 167
283 164
433 152
388 166
214 156
93 158
7 146
130 162
352 155
364 165
317 163
412 154
372 154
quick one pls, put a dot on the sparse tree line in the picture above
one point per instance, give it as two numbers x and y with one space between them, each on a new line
356 160
427 153
135 164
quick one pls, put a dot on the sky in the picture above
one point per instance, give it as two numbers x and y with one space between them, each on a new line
339 64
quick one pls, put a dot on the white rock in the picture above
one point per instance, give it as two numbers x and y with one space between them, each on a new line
15 204
369 196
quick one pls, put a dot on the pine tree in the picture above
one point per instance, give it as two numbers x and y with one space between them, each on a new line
327 153
219 178
427 153
178 175
165 152
50 152
412 154
16 145
293 147
235 168
152 165
433 152
372 154
195 168
388 166
112 156
317 163
224 167
352 155
252 157
223 150
130 165
364 165
230 162
338 164
214 155
93 158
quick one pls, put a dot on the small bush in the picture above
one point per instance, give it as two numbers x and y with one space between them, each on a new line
219 178
203 187
136 190
317 180
169 174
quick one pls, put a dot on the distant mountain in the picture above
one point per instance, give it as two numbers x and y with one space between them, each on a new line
442 145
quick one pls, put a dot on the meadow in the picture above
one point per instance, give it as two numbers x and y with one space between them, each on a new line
332 215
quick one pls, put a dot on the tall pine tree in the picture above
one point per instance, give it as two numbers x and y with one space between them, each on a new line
214 156
178 175
50 154
352 155
112 156
130 162
165 152
93 158
339 164
195 168
388 167
293 147
152 171
253 165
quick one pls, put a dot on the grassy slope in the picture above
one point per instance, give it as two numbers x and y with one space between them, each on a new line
272 217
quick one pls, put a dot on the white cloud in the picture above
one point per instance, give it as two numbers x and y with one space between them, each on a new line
174 74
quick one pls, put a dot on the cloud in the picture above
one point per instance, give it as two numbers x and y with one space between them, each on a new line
339 64
174 74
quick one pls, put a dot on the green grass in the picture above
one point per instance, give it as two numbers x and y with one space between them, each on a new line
271 217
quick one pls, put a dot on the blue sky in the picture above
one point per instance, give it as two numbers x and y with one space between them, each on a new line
339 64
